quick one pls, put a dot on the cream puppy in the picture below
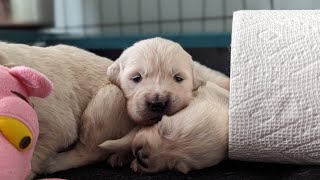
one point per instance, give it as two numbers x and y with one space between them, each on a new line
157 77
84 108
194 138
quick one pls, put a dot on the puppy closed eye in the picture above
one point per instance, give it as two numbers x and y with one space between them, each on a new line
141 157
178 78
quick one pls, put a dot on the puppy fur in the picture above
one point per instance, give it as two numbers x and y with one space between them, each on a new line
84 108
194 138
157 77
157 62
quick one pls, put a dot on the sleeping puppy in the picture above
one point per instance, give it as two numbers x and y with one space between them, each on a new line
194 138
84 108
157 77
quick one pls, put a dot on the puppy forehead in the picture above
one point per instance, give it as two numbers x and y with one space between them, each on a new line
159 61
148 133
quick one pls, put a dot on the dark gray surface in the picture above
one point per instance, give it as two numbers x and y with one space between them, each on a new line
224 171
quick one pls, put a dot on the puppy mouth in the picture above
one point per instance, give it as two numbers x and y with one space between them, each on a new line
151 121
156 119
148 119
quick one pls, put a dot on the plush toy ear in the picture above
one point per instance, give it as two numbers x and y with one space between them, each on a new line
35 83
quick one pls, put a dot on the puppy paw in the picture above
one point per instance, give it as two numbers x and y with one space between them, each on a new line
57 163
115 160
51 165
120 159
134 166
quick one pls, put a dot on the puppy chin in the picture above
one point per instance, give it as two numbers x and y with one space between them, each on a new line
141 116
145 120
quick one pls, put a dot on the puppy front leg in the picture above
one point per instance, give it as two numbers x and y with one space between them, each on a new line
122 144
43 150
104 118
120 149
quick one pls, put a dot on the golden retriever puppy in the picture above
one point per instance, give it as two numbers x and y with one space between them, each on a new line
194 138
84 108
157 77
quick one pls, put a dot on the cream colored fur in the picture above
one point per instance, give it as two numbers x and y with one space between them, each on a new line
84 107
188 136
194 138
158 62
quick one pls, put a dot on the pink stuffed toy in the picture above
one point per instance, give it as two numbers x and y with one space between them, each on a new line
19 128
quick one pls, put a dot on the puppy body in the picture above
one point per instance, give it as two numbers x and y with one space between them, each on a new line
194 138
84 106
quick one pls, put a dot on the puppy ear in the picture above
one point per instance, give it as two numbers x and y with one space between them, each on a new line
198 80
166 127
113 72
202 74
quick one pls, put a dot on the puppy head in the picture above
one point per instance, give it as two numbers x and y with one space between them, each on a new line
157 149
194 138
156 76
149 151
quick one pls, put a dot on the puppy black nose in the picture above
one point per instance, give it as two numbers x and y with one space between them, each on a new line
141 157
157 106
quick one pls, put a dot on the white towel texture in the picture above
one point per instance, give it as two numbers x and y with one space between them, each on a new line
275 87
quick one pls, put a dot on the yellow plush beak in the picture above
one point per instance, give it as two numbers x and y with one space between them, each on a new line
16 132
